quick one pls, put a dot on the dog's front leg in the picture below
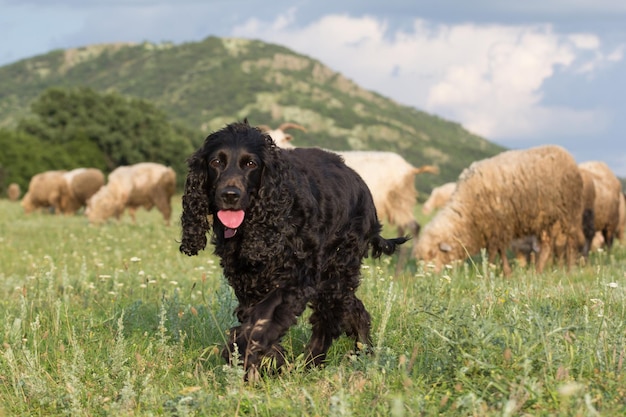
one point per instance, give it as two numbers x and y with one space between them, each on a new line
261 329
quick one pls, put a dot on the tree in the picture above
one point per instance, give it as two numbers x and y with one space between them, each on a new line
107 130
24 155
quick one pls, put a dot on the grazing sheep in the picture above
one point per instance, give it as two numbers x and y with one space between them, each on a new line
82 183
45 191
606 207
527 248
145 184
390 178
598 239
439 196
516 194
14 192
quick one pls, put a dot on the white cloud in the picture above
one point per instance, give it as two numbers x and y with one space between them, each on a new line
490 78
585 41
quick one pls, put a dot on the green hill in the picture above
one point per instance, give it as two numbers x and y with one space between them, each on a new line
204 85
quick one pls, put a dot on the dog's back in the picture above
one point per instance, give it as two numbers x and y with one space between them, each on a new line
333 182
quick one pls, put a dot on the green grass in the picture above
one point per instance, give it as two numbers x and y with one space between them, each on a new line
113 320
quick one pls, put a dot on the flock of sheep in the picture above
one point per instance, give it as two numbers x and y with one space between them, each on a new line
537 202
145 184
596 200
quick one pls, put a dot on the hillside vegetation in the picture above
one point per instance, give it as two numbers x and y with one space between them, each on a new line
204 85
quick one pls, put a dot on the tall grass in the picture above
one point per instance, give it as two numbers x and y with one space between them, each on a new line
113 320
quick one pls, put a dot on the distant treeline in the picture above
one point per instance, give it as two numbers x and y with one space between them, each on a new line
78 127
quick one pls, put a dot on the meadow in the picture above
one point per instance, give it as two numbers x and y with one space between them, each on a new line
113 320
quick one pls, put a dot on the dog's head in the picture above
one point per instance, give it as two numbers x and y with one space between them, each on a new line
225 175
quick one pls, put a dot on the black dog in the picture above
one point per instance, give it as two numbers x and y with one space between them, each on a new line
291 228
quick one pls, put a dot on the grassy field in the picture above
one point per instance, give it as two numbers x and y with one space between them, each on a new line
113 320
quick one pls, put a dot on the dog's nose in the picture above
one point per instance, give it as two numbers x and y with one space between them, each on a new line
230 195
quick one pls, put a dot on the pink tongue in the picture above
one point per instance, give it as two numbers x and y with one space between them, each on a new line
231 218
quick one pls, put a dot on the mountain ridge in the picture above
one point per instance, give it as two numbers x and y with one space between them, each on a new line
210 83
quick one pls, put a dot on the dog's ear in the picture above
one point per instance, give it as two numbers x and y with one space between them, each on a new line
196 206
271 161
274 184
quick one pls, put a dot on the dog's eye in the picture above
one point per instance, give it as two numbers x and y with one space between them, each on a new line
216 163
250 164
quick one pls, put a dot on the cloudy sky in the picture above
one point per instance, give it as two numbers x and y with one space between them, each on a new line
519 73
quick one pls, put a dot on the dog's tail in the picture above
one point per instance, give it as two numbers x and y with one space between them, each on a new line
380 245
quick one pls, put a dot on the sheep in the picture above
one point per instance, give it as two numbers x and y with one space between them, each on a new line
390 178
45 190
606 207
525 249
145 184
598 239
589 201
280 136
14 192
82 183
439 196
516 194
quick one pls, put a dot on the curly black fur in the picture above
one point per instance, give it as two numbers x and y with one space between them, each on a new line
309 222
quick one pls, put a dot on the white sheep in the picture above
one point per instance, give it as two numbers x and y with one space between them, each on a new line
598 239
14 191
45 191
608 190
82 183
516 194
524 249
145 184
390 178
439 197
280 135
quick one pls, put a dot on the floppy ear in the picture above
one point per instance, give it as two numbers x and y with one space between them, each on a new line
196 205
273 168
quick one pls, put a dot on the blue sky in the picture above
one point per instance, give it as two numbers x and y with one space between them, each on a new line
518 73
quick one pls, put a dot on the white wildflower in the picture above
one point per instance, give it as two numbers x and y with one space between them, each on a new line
569 389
